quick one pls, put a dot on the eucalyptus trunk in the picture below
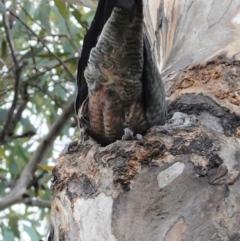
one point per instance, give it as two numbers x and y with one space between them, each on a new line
181 182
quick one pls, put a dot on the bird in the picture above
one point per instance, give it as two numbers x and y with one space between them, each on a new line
120 91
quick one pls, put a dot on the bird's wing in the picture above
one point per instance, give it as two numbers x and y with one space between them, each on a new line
102 14
153 88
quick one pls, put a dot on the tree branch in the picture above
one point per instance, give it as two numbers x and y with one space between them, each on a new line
43 43
67 36
17 72
85 3
28 134
37 202
7 183
20 108
49 69
47 93
9 40
77 49
15 195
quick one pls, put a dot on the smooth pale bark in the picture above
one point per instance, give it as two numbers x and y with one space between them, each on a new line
170 187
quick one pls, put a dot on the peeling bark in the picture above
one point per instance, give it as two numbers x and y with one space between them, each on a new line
156 190
181 182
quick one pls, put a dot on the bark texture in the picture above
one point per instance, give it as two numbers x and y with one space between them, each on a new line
177 183
156 190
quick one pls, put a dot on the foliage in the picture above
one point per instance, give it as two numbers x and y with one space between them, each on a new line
39 49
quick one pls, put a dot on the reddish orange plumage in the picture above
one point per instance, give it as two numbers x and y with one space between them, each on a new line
124 86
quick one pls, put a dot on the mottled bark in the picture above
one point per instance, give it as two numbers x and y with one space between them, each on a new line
177 183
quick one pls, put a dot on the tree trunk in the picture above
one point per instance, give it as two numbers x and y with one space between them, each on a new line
175 184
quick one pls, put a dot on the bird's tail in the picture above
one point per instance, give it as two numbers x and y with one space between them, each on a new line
117 60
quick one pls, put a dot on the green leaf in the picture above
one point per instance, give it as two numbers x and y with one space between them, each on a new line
2 157
88 17
59 90
77 15
49 87
46 168
23 154
67 47
2 188
13 223
33 222
44 18
4 48
43 214
3 116
1 63
27 125
61 6
13 167
31 232
2 8
7 233
28 6
48 64
33 52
